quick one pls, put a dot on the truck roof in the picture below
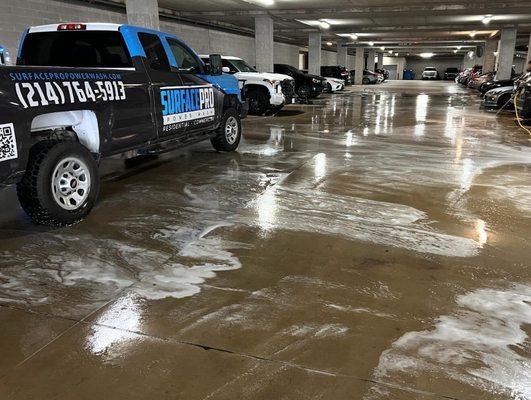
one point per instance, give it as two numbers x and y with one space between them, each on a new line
90 26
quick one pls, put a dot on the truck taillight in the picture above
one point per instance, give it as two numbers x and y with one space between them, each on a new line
72 27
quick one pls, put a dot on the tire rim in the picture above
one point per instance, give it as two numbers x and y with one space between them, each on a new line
71 183
231 130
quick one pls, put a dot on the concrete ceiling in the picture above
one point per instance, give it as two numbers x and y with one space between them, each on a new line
405 26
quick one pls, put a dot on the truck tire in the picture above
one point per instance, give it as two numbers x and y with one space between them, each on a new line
229 133
258 101
365 81
61 183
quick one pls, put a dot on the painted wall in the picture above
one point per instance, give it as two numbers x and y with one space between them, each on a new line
15 15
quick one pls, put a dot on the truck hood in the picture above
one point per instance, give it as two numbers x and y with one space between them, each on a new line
262 76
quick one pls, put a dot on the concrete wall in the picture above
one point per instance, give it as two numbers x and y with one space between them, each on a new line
418 64
15 15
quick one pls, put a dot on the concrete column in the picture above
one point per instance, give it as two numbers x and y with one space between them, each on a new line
506 55
314 53
489 62
359 64
263 43
380 60
528 52
370 59
143 13
342 53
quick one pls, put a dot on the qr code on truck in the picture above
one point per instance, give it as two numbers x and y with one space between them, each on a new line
8 142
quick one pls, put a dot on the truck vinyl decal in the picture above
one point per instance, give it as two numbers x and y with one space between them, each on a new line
186 105
8 142
43 93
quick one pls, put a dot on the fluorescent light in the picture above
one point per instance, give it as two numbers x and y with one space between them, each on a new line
459 47
455 51
382 48
396 54
354 36
371 43
324 24
329 43
426 55
487 19
472 34
390 51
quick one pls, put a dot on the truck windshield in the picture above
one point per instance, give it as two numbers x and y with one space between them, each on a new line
242 66
104 49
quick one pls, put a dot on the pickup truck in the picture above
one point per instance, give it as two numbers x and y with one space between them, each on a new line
266 92
83 91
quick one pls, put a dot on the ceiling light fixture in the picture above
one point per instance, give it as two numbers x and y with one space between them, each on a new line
390 51
354 36
371 44
396 54
329 43
426 55
459 47
472 34
486 19
324 24
455 51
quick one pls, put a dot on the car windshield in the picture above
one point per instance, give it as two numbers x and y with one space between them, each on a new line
430 69
242 66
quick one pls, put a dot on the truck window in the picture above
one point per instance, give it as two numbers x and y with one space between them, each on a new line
231 67
75 49
186 61
155 53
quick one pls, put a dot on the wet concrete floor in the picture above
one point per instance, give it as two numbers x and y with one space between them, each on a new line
374 245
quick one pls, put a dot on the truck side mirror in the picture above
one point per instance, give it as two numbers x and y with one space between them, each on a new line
226 70
215 63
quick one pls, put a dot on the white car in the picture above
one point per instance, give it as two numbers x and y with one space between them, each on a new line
430 73
334 84
266 92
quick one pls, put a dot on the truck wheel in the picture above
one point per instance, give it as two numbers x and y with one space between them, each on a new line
229 132
258 101
61 183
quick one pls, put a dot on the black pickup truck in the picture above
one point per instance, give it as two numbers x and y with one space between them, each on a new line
81 92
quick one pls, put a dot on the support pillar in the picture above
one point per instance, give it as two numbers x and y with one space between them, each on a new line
489 62
380 60
359 64
143 13
506 54
342 53
264 44
370 59
314 53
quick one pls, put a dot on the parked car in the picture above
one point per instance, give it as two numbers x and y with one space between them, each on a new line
476 81
85 91
334 85
451 73
430 73
494 84
306 85
369 77
499 97
384 72
469 73
336 71
265 92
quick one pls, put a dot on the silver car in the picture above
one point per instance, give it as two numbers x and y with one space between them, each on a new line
499 97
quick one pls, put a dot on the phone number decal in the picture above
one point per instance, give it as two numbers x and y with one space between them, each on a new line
38 94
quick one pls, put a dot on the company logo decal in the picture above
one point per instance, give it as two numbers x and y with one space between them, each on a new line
186 105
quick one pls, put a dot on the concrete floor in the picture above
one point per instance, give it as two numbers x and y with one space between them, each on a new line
375 245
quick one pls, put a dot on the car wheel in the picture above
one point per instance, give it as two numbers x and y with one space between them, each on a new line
229 133
61 183
502 100
258 101
304 91
365 81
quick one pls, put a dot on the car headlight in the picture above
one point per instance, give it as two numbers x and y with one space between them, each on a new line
315 80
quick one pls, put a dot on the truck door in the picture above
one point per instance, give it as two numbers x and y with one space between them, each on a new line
204 101
166 87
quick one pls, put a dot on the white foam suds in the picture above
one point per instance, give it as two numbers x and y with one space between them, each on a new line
481 344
